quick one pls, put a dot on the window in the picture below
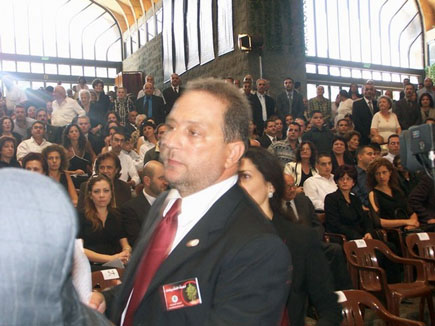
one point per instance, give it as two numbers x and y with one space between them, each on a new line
53 29
354 40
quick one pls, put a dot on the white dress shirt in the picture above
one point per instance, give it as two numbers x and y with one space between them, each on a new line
128 169
30 146
262 100
317 187
195 206
65 112
149 198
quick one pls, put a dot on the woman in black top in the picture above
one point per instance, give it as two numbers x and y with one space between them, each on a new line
7 127
386 199
57 163
7 152
340 154
101 229
261 176
343 210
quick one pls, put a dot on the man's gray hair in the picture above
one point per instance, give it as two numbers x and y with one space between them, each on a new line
238 113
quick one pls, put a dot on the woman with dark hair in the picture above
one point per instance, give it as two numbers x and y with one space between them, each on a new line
148 138
8 150
427 108
35 162
345 106
339 153
304 167
386 200
6 127
102 102
79 154
101 228
261 176
353 92
353 139
343 210
57 163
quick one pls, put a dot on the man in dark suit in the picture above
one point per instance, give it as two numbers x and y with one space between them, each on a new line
135 211
225 257
363 111
150 105
173 92
85 125
269 135
289 101
263 106
407 110
304 213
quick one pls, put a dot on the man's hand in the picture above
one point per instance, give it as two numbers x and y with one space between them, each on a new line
97 302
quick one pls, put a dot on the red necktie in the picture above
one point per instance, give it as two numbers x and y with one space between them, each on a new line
153 257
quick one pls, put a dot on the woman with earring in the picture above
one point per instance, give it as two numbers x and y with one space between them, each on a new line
101 228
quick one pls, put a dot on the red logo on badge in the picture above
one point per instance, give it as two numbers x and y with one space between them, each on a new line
182 294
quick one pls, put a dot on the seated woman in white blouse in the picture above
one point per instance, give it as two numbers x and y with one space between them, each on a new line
384 122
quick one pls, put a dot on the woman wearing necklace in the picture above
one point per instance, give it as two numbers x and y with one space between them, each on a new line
57 163
384 122
79 153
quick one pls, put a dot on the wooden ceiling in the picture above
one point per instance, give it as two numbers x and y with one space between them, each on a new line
127 12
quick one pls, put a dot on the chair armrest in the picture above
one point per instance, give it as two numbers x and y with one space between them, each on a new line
419 264
327 237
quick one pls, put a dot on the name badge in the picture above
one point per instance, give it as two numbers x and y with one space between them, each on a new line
182 294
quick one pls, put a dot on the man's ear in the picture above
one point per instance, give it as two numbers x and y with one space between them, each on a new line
236 150
146 181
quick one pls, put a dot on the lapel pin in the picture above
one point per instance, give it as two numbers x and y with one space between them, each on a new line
192 243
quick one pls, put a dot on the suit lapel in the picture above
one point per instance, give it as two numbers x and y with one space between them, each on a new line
205 231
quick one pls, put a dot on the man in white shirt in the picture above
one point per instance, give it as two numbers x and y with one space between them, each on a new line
14 94
128 169
321 184
65 109
35 144
156 91
393 146
221 246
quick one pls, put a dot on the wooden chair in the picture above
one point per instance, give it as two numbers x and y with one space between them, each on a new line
106 279
361 255
422 246
353 300
334 238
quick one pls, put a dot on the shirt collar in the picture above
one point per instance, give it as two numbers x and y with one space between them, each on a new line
149 198
201 201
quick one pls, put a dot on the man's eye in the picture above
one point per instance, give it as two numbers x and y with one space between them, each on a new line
194 132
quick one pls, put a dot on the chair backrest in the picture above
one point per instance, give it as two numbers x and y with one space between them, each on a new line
422 245
352 302
106 279
363 253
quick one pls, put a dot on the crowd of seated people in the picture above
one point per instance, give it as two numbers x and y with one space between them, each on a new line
105 153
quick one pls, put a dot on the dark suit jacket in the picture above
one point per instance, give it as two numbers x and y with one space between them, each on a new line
257 111
312 277
134 213
307 214
349 220
122 194
283 105
362 118
96 142
170 97
242 268
408 115
159 114
265 141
